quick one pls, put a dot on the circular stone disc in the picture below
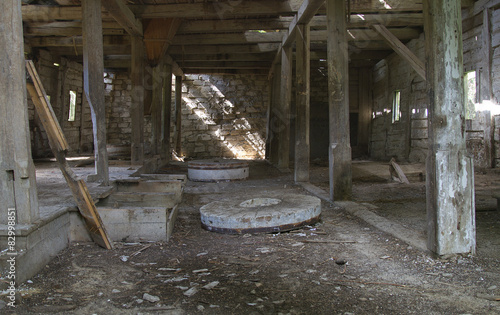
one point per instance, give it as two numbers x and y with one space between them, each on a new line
217 169
260 214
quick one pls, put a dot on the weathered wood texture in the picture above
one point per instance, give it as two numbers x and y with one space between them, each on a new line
17 171
365 109
122 14
158 35
450 188
338 98
137 106
93 84
302 104
166 112
178 114
59 147
285 99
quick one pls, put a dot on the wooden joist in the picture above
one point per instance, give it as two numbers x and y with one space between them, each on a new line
59 147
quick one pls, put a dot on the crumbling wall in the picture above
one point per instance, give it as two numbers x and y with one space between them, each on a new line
224 116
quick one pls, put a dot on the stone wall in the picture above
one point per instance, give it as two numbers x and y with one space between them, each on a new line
224 116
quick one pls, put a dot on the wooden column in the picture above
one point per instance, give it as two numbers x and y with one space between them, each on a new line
178 114
485 80
338 98
275 114
450 173
166 112
302 104
285 99
17 171
365 109
137 107
156 106
93 69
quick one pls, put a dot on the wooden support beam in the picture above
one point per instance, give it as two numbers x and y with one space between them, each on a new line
485 77
450 170
401 49
224 9
137 106
54 41
338 98
202 57
224 49
18 191
285 99
178 114
93 84
274 116
302 104
166 112
365 109
156 107
122 14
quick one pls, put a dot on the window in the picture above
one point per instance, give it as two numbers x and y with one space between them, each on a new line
470 94
396 106
72 106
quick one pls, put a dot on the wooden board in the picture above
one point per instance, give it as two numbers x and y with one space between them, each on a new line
59 147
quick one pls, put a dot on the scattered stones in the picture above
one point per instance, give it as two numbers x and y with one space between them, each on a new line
211 285
115 291
191 292
150 298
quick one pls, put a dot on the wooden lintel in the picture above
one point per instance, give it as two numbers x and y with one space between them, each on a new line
122 14
401 50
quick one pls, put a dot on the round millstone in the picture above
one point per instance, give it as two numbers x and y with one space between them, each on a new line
217 170
261 214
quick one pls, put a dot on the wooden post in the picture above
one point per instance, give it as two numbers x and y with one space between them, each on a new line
302 104
285 99
365 109
450 171
156 112
275 122
17 171
137 107
93 70
338 98
485 80
166 112
178 114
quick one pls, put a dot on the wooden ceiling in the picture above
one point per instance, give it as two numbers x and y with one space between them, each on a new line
225 36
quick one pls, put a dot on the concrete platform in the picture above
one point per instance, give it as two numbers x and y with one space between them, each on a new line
268 213
217 170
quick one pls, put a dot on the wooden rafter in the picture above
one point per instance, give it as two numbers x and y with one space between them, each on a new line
122 14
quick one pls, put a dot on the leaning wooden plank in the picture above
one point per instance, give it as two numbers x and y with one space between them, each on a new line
44 109
59 146
395 168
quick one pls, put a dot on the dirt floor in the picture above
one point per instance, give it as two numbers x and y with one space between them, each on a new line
341 265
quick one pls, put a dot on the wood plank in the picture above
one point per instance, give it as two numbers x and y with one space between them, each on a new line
226 64
224 49
122 14
218 10
166 112
178 115
397 172
263 57
58 145
46 13
284 110
403 51
76 41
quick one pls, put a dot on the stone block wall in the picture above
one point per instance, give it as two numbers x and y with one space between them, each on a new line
224 116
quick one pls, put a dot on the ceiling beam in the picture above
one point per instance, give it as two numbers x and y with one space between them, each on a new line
46 13
75 41
122 14
402 50
224 49
222 9
202 56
